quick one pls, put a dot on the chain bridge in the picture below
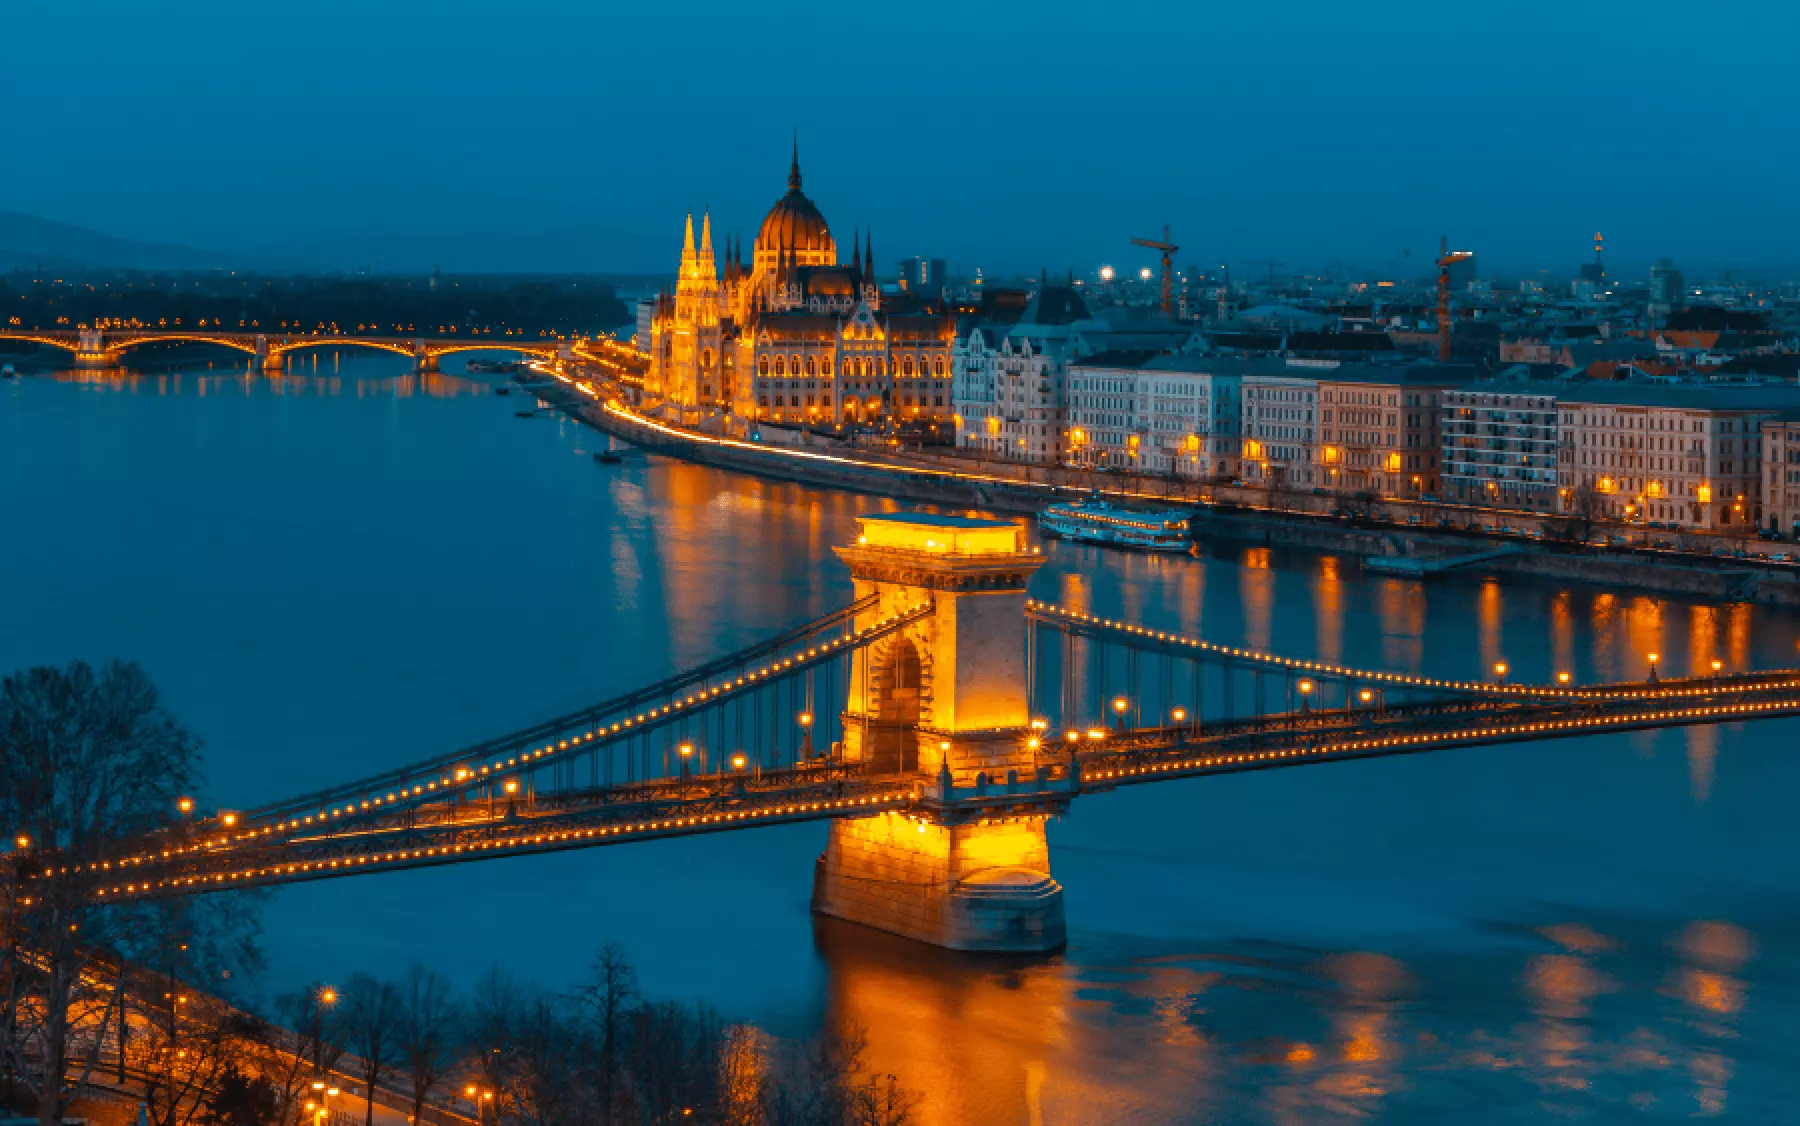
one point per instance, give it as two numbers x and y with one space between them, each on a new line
271 351
937 721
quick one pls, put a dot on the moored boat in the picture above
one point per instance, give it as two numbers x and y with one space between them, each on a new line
1096 521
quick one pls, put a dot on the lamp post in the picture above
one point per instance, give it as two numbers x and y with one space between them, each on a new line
806 743
1501 668
1654 657
1305 687
1119 705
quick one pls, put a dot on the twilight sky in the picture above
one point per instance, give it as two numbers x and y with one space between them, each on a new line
998 135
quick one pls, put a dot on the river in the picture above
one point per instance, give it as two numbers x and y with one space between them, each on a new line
349 567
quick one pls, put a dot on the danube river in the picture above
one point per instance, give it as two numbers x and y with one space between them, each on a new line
347 568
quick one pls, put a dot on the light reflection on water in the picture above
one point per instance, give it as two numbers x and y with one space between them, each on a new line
1597 929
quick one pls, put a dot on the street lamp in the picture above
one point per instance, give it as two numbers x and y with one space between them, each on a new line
1500 670
1120 703
1562 678
1305 687
806 743
1717 666
1654 657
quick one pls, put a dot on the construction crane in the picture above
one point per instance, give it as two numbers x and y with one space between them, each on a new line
1168 266
1446 259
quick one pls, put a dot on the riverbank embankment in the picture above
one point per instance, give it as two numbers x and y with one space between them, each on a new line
901 477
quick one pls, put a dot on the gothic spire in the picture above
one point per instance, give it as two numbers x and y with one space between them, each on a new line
689 260
794 169
856 251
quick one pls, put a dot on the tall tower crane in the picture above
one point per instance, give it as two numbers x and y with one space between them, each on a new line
1446 259
1168 268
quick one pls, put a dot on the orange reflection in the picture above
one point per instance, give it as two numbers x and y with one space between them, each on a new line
1256 592
1328 610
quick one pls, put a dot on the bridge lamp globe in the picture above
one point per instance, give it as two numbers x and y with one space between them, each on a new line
1180 715
229 819
1034 742
1562 678
1365 695
185 805
512 786
1500 669
1074 736
687 750
737 761
1717 665
806 719
21 842
1120 703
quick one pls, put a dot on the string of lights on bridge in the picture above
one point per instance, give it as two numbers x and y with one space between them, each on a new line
900 798
471 776
1407 680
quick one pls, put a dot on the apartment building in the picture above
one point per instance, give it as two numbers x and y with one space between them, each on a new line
1279 416
1781 481
1500 442
1378 426
1171 415
1681 454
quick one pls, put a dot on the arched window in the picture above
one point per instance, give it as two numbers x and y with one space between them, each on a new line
937 366
794 364
826 364
706 359
811 368
780 366
906 366
762 365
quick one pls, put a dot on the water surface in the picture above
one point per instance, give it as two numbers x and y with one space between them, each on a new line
340 569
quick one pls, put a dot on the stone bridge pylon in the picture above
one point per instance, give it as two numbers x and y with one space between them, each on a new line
946 700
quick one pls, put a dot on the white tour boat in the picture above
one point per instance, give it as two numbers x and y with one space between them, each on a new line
1096 521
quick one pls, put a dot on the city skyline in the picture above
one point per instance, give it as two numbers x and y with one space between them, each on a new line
1292 142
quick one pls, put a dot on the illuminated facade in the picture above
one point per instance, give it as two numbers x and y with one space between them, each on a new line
1378 427
1682 456
792 336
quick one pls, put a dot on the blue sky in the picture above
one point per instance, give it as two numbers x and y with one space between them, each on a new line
1001 135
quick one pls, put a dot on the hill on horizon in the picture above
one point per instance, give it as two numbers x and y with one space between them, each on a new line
27 241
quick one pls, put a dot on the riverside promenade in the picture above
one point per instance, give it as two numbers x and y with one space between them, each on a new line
1433 533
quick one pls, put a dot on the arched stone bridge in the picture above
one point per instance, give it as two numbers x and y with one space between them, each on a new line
270 351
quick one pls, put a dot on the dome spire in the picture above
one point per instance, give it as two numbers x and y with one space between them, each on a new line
794 169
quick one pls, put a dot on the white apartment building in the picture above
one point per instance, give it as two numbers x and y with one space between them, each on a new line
1684 455
1009 386
1169 415
1279 416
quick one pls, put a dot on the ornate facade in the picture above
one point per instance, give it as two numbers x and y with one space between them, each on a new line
792 336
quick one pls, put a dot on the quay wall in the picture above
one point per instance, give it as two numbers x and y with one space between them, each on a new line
858 471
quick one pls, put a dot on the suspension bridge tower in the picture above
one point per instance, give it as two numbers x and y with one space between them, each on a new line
945 700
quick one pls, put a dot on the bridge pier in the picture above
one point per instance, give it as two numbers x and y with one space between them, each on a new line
91 350
424 360
945 700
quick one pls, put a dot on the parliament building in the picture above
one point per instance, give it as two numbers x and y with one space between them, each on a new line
792 336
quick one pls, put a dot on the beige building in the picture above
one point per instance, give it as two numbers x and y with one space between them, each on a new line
1378 427
1279 414
1781 480
1684 455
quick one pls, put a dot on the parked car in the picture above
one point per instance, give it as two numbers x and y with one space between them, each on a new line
1429 498
1769 534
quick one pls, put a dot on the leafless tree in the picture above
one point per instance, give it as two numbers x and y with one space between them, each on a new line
605 1003
372 1025
91 760
428 1019
313 1014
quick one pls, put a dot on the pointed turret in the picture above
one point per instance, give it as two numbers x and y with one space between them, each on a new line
707 268
794 168
856 251
690 260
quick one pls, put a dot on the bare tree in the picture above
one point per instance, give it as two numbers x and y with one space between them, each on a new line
372 1024
313 1015
91 760
428 1021
605 1002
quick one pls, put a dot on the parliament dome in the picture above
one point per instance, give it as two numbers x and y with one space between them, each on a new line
794 223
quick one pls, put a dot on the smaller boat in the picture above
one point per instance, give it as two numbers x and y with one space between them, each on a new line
1096 521
609 457
503 390
7 372
524 414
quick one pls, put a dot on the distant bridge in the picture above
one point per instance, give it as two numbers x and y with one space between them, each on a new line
271 351
937 720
